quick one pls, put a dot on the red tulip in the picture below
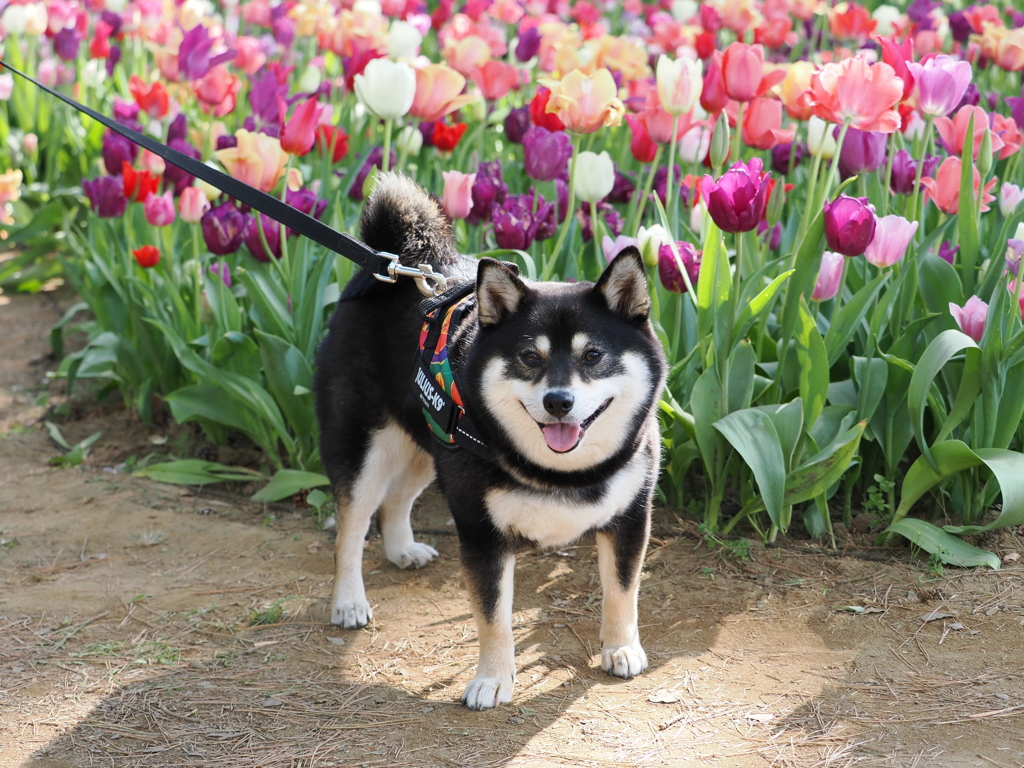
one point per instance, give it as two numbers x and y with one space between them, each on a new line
147 256
743 72
495 79
446 137
641 145
138 185
762 124
539 113
300 131
713 96
153 99
332 139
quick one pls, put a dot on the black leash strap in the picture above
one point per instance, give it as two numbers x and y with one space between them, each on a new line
384 266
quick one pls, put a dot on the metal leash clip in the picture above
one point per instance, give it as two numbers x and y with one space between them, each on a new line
429 282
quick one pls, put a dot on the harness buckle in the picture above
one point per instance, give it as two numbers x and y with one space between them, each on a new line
429 282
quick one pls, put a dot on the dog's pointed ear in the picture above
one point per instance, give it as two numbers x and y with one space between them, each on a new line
498 290
623 285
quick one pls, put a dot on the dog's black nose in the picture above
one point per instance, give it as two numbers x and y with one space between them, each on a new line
558 402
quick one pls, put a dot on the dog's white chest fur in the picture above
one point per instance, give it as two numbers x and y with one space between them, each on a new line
552 520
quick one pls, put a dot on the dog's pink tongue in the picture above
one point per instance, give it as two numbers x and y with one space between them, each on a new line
562 437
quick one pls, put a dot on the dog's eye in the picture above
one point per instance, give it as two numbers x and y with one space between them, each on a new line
530 357
592 355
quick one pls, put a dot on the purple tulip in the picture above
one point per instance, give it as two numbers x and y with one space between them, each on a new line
529 44
1016 105
774 237
623 189
514 225
252 239
223 271
178 129
489 190
668 267
612 220
862 152
959 27
113 20
781 156
948 251
175 175
306 200
972 98
113 59
224 228
106 196
920 12
904 171
283 29
562 202
226 142
849 224
545 153
1014 251
127 113
547 225
660 183
194 59
940 83
738 199
117 150
1016 19
66 43
517 123
267 99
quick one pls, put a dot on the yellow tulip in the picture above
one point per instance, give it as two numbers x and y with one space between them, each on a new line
585 103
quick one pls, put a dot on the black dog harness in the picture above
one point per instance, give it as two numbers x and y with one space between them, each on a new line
435 398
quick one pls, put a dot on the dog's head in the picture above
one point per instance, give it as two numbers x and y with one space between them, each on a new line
567 373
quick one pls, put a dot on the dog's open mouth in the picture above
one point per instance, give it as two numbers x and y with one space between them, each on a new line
563 436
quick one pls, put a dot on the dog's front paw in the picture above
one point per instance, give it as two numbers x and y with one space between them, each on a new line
488 692
624 661
413 555
351 613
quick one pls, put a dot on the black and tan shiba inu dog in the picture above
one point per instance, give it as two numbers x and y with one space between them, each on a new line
561 381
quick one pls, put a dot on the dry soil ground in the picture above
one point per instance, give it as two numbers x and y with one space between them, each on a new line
126 634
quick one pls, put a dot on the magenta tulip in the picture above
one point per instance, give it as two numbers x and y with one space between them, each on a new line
159 209
737 200
849 224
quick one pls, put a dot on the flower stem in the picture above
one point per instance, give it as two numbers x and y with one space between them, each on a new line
386 159
737 134
670 202
916 192
198 276
647 189
833 172
556 253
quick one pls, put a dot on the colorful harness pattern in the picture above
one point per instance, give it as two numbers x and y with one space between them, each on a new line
439 367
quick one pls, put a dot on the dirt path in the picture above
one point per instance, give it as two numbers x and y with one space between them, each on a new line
126 635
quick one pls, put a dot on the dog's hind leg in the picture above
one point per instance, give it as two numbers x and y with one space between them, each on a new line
388 454
399 545
620 553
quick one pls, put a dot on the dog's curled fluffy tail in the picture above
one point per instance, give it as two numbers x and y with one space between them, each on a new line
401 218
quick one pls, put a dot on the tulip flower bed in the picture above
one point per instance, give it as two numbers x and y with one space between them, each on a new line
834 288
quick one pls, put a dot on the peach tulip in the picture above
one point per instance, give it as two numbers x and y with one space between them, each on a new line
944 189
954 132
762 124
258 160
438 92
795 88
585 103
458 193
217 91
743 72
467 54
857 91
192 204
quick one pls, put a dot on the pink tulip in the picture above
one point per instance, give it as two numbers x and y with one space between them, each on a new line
300 131
159 208
495 79
613 248
892 236
458 193
829 274
192 204
941 82
971 317
954 132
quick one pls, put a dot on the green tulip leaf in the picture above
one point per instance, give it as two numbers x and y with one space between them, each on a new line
949 548
753 435
825 469
288 482
197 472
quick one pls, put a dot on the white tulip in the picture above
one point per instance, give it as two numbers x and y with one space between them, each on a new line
310 80
595 176
14 19
820 138
386 88
651 239
410 140
403 40
1010 196
885 17
36 19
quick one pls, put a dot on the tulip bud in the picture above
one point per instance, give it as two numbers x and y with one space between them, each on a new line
370 182
594 177
971 317
458 193
776 203
1010 196
192 204
720 142
849 224
651 239
30 144
985 154
409 141
7 84
829 274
